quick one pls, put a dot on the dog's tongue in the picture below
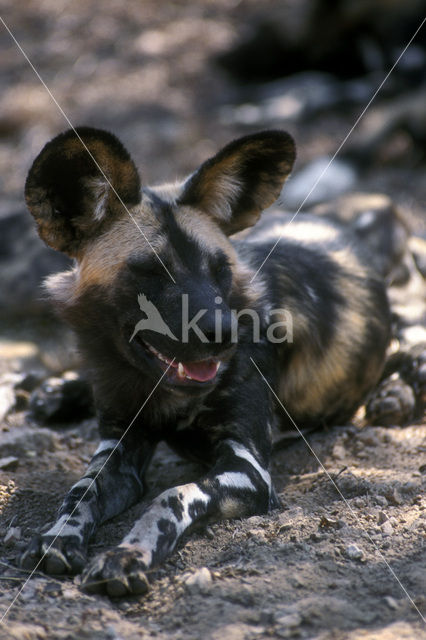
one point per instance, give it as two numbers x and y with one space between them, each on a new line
200 371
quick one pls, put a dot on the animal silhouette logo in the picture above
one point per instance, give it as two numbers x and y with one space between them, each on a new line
153 320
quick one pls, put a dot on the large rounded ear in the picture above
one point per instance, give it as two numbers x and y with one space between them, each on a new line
241 180
77 186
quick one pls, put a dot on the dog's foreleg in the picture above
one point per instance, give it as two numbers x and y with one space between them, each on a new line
112 482
238 485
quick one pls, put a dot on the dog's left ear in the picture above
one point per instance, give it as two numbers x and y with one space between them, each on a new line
241 180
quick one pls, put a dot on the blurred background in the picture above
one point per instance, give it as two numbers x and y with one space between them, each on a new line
176 80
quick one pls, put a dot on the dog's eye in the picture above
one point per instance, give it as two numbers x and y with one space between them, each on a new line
221 270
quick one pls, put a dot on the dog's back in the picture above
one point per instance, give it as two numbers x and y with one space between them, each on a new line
319 282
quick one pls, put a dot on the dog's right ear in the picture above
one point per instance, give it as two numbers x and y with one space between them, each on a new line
77 186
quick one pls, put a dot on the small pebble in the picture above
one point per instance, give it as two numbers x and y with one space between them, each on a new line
199 581
359 502
394 498
382 517
13 535
326 522
391 602
353 552
9 463
287 624
290 620
387 528
255 521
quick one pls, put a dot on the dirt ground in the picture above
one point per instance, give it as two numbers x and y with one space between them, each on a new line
344 558
333 563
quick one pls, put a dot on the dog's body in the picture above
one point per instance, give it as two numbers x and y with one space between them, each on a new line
319 346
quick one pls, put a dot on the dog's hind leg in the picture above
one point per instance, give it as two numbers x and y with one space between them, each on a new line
112 482
238 485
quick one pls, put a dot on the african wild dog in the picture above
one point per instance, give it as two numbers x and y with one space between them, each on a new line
220 415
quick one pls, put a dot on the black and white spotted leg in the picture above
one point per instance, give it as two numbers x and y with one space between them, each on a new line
238 485
112 483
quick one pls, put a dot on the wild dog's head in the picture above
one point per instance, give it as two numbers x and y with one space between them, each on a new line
164 250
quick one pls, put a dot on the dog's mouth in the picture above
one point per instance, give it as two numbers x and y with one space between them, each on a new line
194 373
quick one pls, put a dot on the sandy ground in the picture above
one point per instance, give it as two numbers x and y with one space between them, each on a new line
344 558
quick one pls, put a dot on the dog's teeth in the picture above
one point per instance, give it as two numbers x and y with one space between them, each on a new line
181 371
217 366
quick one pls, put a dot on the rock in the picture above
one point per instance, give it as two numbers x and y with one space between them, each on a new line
387 528
391 602
255 521
326 523
382 517
22 631
25 261
53 589
339 451
353 552
62 400
286 624
394 497
200 581
13 535
9 463
319 180
381 500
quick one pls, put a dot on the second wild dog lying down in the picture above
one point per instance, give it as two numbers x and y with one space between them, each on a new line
169 374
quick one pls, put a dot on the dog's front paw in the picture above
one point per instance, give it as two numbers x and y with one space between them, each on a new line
54 555
117 573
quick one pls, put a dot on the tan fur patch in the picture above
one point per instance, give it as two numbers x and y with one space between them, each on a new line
303 231
230 508
106 255
61 286
204 231
220 183
312 380
168 192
